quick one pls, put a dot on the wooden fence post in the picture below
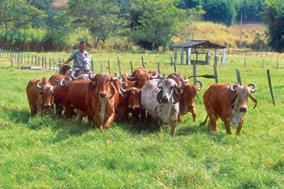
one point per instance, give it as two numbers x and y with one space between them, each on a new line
175 56
118 65
49 63
262 63
175 67
216 74
277 61
108 65
142 62
194 73
158 68
42 61
238 74
101 67
38 60
131 67
270 86
12 65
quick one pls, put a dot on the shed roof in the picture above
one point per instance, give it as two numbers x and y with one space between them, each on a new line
199 44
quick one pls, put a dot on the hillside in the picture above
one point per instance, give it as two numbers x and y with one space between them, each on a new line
222 34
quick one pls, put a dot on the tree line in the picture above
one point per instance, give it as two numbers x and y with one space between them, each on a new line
38 24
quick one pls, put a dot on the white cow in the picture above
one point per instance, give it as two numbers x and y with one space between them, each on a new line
159 97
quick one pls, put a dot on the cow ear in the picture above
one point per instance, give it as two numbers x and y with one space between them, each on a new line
92 85
112 90
159 96
176 95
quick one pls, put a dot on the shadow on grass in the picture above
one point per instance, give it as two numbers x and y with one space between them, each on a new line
202 128
17 115
65 129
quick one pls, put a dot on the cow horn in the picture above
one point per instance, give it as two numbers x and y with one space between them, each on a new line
200 85
62 82
156 76
38 84
159 84
233 88
253 87
115 78
184 81
254 100
122 89
131 78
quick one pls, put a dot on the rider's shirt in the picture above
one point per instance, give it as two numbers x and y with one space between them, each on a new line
78 58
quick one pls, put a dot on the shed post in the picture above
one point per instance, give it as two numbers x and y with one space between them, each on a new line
188 53
208 57
175 55
181 56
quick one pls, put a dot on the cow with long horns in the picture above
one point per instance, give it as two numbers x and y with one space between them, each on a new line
160 97
40 95
229 103
129 102
140 76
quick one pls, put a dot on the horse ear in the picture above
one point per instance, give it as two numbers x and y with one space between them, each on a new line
159 96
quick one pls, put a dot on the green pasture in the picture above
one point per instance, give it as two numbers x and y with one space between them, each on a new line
44 152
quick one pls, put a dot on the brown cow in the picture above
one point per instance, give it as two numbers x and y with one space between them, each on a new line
40 95
59 91
75 97
129 102
102 100
187 95
228 102
140 77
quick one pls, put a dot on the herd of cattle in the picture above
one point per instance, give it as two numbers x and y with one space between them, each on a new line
143 95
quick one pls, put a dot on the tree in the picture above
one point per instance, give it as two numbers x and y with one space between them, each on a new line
274 17
101 17
220 11
17 14
154 22
251 10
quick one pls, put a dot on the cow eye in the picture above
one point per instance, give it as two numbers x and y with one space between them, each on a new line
41 93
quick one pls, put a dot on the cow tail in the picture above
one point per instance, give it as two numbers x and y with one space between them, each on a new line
205 121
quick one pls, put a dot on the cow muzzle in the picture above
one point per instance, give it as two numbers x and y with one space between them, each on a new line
243 109
47 106
102 94
165 99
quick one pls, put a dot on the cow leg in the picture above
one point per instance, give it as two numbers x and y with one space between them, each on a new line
39 108
239 127
111 112
173 128
227 127
69 112
99 122
212 123
58 109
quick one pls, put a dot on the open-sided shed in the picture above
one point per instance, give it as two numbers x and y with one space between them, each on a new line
192 46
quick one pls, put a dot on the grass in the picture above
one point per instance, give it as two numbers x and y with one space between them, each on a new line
44 152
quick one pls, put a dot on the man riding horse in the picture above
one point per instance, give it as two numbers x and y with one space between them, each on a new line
82 61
